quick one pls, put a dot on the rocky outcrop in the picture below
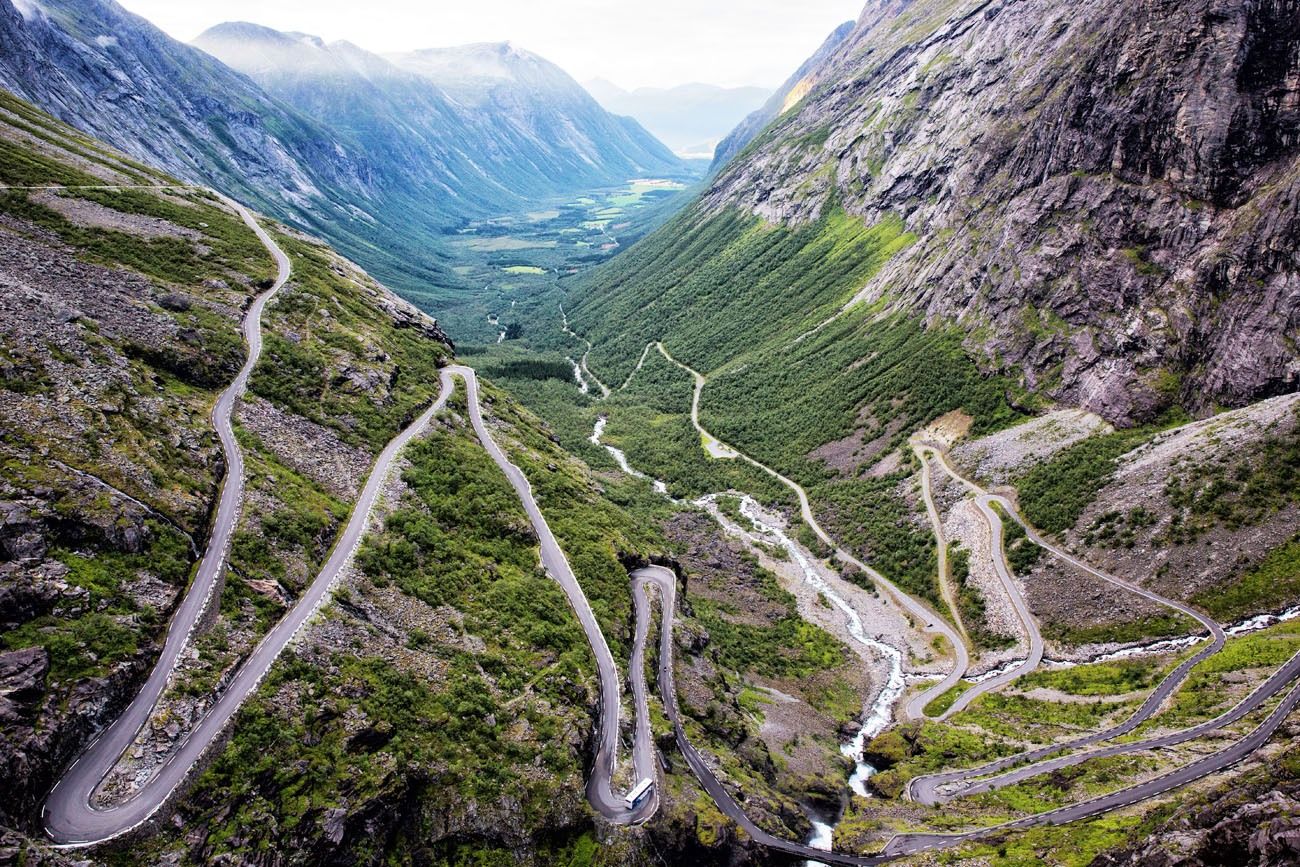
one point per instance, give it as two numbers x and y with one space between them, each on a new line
19 851
1232 831
44 725
1106 196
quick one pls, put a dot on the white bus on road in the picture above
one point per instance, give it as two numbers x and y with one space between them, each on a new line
639 793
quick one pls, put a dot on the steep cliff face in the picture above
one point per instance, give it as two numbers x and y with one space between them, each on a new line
1104 194
117 77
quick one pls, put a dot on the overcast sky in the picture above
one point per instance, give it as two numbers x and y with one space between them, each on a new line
632 43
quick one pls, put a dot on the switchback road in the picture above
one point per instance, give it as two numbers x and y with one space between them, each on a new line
69 817
666 583
926 789
600 790
998 557
906 844
72 821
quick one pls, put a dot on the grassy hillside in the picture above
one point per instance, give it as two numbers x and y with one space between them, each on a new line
441 709
824 395
121 324
716 287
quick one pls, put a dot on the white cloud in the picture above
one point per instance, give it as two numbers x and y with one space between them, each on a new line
630 42
27 8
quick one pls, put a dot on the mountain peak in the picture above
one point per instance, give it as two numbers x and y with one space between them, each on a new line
243 30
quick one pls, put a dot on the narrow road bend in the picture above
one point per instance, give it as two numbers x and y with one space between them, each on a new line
925 789
912 843
997 554
582 363
600 790
72 821
69 817
906 844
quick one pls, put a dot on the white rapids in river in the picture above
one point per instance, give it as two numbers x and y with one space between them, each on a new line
881 713
620 458
882 710
577 375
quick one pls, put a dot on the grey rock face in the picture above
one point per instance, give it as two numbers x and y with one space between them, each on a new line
1105 195
1265 833
22 680
118 81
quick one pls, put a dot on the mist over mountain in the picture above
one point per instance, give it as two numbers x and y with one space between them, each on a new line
795 88
330 137
116 76
490 125
921 486
690 118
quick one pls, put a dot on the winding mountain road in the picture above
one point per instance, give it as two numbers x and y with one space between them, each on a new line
929 621
1034 657
581 364
665 582
926 789
941 544
998 556
905 844
912 843
70 818
600 790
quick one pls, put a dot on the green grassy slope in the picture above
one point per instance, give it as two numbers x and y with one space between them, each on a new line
758 309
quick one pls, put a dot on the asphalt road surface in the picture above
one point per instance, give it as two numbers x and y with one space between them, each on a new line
666 583
1035 637
71 820
600 790
927 789
906 844
941 542
69 817
999 560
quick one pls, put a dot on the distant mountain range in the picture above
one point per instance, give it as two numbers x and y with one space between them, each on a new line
690 118
484 123
342 142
